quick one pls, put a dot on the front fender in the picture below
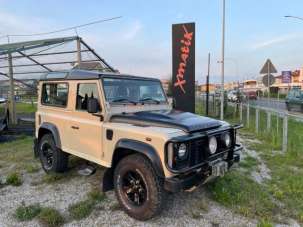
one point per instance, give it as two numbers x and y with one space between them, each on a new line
145 149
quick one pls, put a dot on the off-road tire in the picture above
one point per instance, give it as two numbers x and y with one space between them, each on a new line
59 158
154 187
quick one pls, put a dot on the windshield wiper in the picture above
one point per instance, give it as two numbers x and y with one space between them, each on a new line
150 99
124 100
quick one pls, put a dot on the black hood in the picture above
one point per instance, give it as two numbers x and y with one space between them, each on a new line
168 118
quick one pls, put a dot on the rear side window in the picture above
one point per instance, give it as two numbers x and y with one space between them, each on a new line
85 91
55 94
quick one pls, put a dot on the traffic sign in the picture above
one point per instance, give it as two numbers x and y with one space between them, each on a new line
268 68
271 80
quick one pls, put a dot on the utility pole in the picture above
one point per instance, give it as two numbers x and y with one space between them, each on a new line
222 62
79 51
12 105
207 85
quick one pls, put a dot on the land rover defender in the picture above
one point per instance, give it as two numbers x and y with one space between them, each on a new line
126 124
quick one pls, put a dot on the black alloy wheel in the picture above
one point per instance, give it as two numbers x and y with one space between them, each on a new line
134 187
47 156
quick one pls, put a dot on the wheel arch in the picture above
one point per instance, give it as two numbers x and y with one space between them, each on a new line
125 147
47 127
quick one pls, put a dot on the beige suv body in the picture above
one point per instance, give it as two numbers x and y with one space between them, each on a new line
126 124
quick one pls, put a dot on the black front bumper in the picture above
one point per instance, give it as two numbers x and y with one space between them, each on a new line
196 177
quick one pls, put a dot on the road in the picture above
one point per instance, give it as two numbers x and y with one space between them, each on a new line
271 103
275 104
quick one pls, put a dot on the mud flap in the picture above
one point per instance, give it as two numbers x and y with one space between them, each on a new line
108 180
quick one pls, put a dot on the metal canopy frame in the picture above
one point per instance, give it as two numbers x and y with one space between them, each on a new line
43 56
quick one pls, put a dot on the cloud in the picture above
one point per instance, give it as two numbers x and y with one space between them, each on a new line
274 41
133 31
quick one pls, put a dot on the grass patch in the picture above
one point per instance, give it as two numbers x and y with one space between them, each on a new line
32 168
25 107
18 153
81 209
14 179
27 213
264 223
50 217
84 208
52 178
248 163
237 191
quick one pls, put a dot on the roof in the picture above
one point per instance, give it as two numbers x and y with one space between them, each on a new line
21 46
76 74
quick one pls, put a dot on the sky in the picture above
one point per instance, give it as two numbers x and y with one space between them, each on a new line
140 42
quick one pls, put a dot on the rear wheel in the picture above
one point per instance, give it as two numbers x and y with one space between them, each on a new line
52 158
138 189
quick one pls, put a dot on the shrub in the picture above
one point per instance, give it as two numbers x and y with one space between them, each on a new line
26 213
50 217
14 179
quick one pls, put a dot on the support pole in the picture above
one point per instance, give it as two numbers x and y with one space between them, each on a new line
207 86
241 112
268 121
12 105
247 115
285 133
79 51
222 66
257 120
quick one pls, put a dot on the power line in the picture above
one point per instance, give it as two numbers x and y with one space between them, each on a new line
63 29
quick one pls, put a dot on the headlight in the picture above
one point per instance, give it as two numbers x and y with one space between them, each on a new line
182 151
226 139
212 145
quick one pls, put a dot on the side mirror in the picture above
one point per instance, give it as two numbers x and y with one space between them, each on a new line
92 105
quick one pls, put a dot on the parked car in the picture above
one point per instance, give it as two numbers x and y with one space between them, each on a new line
126 124
4 116
294 100
232 96
251 95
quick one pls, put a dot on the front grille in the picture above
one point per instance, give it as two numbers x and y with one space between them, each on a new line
199 150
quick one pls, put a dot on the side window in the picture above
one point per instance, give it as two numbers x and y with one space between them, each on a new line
85 91
54 94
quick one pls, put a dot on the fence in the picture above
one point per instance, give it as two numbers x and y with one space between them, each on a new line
279 127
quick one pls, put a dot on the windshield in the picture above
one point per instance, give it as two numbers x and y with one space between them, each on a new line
133 90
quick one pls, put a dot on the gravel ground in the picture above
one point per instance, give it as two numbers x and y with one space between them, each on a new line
182 209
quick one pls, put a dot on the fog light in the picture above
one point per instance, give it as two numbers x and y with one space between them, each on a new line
182 150
226 139
212 145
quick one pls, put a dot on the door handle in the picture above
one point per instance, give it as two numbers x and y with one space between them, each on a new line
75 127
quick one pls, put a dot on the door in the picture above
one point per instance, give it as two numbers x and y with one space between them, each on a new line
85 128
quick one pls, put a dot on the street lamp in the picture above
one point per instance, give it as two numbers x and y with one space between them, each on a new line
222 61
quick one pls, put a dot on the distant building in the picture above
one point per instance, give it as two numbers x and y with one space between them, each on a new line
231 86
202 88
296 81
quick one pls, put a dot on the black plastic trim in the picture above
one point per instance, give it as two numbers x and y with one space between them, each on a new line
145 149
53 129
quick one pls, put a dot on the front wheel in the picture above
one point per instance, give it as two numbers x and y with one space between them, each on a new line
52 158
138 188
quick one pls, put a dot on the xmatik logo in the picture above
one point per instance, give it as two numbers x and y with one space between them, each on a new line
185 52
